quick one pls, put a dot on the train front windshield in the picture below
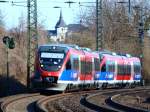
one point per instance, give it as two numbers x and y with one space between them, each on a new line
51 61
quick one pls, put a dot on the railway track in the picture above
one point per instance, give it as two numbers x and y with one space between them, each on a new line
106 101
70 102
19 103
117 104
41 105
48 103
45 105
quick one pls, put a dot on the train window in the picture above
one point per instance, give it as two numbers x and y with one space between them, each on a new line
101 57
68 65
121 70
88 68
51 61
137 68
97 64
124 69
103 68
76 64
128 69
82 67
111 67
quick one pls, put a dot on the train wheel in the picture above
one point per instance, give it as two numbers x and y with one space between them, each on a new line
142 83
132 85
99 85
104 85
69 87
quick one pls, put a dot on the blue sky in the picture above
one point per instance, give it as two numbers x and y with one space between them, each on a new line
47 15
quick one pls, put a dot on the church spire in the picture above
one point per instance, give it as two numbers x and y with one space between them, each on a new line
60 17
60 22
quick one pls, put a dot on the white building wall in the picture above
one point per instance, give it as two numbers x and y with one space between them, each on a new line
61 33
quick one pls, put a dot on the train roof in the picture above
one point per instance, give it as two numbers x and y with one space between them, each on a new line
109 53
67 46
104 52
119 57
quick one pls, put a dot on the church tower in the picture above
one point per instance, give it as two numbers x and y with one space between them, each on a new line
61 28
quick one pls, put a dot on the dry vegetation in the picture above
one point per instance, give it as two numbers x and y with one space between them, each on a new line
17 57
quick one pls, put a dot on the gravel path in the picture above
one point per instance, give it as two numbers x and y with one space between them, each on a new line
67 104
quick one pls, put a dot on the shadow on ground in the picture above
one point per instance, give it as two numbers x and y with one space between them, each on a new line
10 86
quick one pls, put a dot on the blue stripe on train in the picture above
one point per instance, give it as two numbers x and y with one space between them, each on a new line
104 76
137 77
69 75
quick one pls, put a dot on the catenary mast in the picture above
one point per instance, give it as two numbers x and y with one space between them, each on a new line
32 37
99 25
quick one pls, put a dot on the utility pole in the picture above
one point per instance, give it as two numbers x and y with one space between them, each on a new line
129 16
141 26
141 33
9 44
32 38
99 25
129 8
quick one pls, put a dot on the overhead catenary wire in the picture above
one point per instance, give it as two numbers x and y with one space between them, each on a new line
44 1
23 4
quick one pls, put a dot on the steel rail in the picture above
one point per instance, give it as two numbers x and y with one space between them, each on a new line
84 101
9 101
40 105
124 107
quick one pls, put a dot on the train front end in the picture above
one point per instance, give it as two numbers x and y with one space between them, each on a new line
49 64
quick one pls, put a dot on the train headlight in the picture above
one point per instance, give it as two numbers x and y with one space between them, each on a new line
97 75
42 65
75 75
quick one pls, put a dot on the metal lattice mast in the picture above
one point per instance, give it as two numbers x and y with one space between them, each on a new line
32 37
99 25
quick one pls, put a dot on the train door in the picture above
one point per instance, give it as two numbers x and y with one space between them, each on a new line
110 70
68 64
82 69
96 68
70 72
127 70
88 70
103 73
132 71
75 67
92 71
115 72
137 71
120 72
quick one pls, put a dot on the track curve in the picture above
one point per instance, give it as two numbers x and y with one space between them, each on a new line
106 103
111 100
20 103
68 101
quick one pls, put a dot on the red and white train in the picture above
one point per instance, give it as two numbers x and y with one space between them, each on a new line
62 67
